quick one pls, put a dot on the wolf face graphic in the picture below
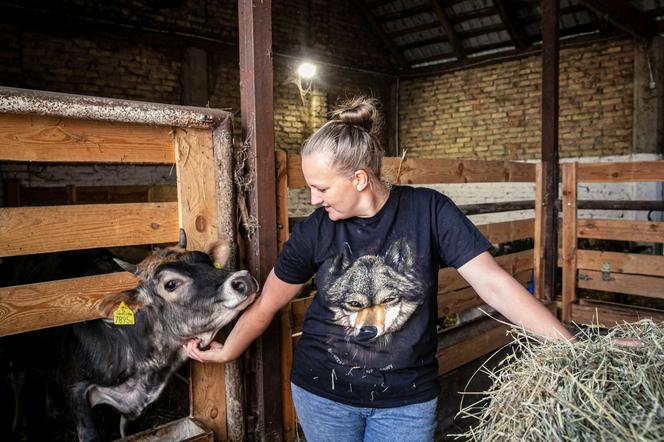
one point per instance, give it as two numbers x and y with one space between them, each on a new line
374 296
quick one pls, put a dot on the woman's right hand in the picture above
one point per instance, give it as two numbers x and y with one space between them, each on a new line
214 353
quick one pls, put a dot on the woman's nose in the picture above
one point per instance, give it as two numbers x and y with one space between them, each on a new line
316 199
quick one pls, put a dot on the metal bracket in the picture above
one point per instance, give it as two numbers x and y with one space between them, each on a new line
584 277
606 272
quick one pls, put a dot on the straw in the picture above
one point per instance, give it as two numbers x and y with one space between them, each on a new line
603 387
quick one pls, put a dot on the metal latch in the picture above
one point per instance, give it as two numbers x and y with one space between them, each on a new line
606 272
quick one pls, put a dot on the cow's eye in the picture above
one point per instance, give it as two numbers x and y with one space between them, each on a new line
172 284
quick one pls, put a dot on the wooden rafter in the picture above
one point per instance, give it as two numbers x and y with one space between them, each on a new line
378 29
439 10
515 30
624 16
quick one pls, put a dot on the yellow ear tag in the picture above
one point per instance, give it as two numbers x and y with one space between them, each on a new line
217 265
123 315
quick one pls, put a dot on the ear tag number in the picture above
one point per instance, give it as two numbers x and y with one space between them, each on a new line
123 315
217 265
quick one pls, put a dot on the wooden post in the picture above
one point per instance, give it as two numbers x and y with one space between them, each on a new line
286 314
256 106
198 217
569 239
550 61
538 244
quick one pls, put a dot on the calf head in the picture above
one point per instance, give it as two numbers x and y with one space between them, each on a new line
190 291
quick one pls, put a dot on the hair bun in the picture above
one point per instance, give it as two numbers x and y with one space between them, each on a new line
360 111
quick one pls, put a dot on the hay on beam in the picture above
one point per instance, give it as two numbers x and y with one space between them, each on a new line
603 387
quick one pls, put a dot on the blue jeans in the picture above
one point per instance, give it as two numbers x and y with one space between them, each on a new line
324 420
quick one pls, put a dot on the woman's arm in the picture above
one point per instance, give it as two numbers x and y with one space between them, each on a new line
504 293
275 294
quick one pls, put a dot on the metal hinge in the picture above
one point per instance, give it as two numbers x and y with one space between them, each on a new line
606 272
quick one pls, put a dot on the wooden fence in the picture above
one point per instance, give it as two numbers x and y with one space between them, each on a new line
607 271
458 345
60 128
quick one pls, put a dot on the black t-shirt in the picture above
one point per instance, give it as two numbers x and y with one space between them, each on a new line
369 335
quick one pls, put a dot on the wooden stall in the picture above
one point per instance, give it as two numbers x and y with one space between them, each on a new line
609 271
457 345
47 127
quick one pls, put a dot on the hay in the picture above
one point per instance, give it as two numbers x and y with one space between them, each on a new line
603 387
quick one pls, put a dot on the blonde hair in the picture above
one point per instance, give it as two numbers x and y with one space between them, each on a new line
349 138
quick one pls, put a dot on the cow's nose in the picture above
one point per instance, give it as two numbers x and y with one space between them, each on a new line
367 333
239 286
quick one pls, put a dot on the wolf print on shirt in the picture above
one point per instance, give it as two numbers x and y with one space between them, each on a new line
374 296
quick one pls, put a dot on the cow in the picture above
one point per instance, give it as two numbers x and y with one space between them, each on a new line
180 295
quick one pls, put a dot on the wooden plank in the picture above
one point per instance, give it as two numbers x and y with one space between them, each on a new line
508 231
460 300
434 171
607 314
538 243
48 139
647 231
299 308
281 159
621 262
450 280
641 25
27 230
569 239
471 348
197 213
197 209
649 286
257 121
289 417
635 171
49 304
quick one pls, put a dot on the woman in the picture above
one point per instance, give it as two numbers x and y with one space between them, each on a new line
365 365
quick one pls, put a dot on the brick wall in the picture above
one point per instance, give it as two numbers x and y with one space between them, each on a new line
134 50
494 112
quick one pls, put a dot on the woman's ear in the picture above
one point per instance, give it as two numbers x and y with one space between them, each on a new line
360 180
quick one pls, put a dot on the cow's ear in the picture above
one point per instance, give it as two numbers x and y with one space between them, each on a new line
220 252
110 303
131 268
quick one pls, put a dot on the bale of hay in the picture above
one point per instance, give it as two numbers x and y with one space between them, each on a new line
603 387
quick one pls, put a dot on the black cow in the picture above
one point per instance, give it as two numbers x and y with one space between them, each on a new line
180 295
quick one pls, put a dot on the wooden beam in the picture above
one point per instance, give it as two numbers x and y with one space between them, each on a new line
380 32
257 121
538 243
472 346
514 29
607 314
439 11
637 171
508 230
648 286
569 263
621 262
624 16
30 307
433 171
621 230
50 139
197 211
549 155
27 230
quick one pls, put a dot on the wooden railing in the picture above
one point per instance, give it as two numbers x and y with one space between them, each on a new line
606 271
46 127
